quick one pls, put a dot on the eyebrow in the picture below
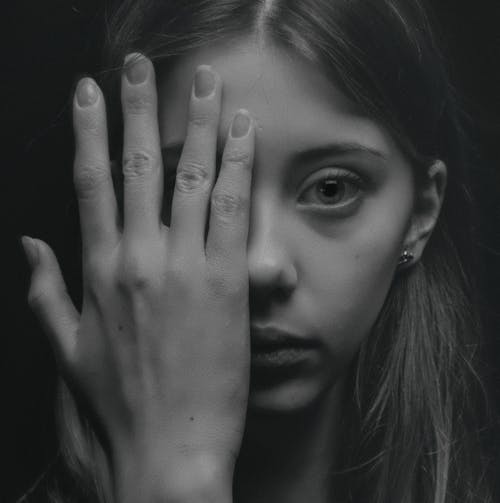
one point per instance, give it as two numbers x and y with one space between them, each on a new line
303 156
335 149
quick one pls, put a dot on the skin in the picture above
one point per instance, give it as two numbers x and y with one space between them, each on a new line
334 263
317 269
276 253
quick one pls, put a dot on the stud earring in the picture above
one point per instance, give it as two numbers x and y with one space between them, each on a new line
405 257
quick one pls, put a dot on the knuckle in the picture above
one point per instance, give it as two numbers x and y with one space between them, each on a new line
227 205
42 291
237 158
135 275
192 176
36 297
138 163
134 280
137 103
89 123
201 118
89 176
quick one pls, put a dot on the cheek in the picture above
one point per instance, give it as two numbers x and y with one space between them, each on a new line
349 281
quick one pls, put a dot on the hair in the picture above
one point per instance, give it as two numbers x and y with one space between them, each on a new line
414 410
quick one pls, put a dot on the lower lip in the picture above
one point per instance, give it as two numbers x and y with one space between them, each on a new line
279 357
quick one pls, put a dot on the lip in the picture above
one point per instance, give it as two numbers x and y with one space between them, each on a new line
274 347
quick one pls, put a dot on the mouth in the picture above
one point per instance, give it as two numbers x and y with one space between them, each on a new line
273 347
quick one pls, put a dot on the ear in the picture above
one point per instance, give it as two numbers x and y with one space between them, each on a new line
428 201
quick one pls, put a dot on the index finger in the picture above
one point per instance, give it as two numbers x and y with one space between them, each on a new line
230 200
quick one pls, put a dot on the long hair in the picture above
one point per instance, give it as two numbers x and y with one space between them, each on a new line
412 418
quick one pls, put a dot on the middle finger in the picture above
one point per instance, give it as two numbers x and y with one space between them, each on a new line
197 165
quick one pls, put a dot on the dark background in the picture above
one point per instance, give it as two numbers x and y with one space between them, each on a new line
51 43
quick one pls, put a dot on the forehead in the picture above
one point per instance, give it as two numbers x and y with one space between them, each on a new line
291 99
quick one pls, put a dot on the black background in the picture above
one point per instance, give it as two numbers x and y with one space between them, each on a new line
50 44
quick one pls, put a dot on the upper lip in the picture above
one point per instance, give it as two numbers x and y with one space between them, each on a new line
274 337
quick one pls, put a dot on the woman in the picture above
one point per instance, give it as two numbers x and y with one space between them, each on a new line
298 324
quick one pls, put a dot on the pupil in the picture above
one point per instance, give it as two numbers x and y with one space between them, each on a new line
329 188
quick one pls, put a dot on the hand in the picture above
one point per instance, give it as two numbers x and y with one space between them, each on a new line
160 352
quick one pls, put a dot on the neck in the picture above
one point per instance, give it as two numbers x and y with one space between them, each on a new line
289 457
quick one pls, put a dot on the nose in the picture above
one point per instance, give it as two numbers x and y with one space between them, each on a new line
270 263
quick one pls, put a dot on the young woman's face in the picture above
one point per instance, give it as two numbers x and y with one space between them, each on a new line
331 203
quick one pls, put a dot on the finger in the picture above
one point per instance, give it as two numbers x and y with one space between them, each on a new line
49 300
91 172
230 200
197 165
142 163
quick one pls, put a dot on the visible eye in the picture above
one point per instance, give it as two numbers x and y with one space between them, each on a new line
332 188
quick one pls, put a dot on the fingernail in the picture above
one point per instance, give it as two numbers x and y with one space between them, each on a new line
86 92
204 82
136 68
30 251
241 125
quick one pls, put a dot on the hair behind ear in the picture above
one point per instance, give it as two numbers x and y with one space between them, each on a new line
419 401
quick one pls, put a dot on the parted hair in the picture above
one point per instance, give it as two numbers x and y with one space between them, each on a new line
415 405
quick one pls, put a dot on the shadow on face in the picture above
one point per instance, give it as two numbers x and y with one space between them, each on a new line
331 205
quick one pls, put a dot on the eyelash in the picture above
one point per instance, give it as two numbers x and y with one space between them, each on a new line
344 177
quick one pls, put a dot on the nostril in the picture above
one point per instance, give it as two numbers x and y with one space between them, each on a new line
270 282
263 298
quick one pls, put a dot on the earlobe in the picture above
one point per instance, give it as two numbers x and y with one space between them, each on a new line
428 202
405 258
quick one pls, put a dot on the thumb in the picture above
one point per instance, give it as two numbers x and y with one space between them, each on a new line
49 299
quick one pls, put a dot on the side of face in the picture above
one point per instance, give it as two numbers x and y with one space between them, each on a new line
332 206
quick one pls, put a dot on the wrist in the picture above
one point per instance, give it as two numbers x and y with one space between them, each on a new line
199 479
